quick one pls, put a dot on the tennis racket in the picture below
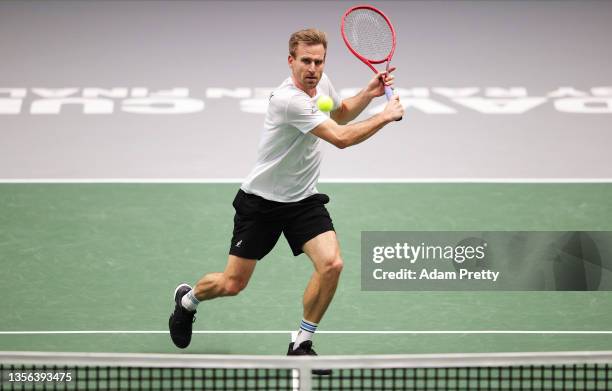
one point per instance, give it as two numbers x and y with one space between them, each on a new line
370 36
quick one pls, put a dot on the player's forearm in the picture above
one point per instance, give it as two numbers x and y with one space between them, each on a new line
351 108
358 132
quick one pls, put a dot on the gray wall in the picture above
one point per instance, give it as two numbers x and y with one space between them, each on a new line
535 47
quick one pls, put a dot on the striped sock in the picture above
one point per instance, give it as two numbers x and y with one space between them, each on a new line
189 301
305 333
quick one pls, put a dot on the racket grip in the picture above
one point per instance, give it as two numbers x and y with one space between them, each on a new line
389 94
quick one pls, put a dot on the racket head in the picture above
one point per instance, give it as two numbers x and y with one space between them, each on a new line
368 34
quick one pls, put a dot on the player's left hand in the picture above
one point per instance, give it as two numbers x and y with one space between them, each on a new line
376 86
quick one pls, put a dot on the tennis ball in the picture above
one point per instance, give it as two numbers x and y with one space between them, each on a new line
325 103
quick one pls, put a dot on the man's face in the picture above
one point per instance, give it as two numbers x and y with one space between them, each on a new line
307 66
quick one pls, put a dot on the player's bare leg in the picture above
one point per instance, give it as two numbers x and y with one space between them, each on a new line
324 253
234 279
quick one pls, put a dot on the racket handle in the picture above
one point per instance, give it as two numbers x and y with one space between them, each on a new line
389 94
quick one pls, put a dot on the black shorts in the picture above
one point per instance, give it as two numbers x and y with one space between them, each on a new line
258 223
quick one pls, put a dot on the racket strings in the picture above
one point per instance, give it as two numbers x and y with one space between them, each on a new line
369 34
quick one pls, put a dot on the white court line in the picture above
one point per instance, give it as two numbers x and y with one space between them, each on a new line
51 332
323 180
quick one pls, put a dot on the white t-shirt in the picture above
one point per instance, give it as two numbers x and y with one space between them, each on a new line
289 157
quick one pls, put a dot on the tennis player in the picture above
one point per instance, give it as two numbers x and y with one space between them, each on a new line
280 194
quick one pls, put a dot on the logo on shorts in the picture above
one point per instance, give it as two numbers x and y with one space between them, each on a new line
239 243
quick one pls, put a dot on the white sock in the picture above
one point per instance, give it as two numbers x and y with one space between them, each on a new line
305 333
189 301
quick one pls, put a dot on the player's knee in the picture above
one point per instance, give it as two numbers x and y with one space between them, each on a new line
234 286
333 266
337 265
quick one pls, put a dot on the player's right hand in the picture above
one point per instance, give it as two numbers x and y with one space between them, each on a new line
394 111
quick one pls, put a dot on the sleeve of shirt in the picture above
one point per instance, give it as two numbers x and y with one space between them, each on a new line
303 113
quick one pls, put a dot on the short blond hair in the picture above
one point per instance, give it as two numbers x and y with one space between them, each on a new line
309 37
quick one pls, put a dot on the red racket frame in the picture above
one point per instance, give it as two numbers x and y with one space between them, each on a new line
368 61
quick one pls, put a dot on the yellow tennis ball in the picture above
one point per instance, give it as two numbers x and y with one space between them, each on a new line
325 103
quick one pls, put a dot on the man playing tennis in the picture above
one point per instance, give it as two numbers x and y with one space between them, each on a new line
280 194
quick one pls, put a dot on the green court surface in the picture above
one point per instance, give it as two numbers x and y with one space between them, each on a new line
107 257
